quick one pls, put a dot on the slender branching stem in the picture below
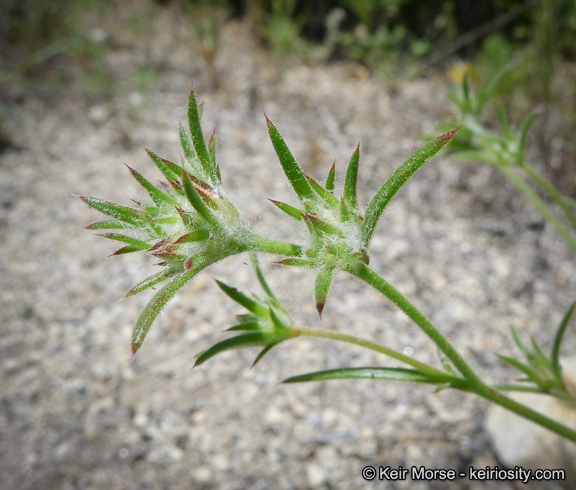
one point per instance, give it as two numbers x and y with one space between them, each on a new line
539 204
455 381
552 190
474 383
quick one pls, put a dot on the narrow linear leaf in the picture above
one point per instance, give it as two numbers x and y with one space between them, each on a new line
242 299
252 339
198 138
331 177
212 147
199 205
538 357
156 194
398 179
126 239
246 327
169 172
289 164
186 143
128 249
289 210
322 288
155 305
345 214
194 236
392 374
528 371
292 262
260 276
555 356
262 353
317 224
111 224
323 193
150 281
351 181
121 213
521 344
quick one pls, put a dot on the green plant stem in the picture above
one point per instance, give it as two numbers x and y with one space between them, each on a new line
363 272
539 204
455 381
530 389
259 243
551 189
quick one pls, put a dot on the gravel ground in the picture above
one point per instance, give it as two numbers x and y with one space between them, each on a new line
458 241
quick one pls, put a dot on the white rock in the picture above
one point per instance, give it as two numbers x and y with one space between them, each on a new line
520 442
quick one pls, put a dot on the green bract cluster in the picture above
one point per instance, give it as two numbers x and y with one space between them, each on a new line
189 223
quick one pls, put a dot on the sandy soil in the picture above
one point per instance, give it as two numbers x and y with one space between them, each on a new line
458 241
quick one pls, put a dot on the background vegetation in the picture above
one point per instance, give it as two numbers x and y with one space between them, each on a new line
59 47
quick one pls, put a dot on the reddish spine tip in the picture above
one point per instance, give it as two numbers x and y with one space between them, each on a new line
267 120
320 307
449 135
134 350
357 148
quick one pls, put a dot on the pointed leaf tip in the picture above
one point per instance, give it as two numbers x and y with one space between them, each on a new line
320 307
449 135
134 350
267 119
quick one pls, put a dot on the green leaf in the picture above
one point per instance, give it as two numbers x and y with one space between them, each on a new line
555 356
316 224
155 305
521 344
323 283
158 196
351 181
331 177
193 195
261 280
126 239
528 371
246 327
398 179
289 210
110 224
242 299
323 193
296 262
186 143
121 213
170 172
150 281
393 374
252 339
262 353
212 147
198 138
289 164
194 236
128 249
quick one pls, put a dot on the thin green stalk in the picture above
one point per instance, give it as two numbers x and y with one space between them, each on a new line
528 413
259 243
380 284
551 189
539 204
474 383
456 382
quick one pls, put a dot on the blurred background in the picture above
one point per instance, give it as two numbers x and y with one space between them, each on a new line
85 84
